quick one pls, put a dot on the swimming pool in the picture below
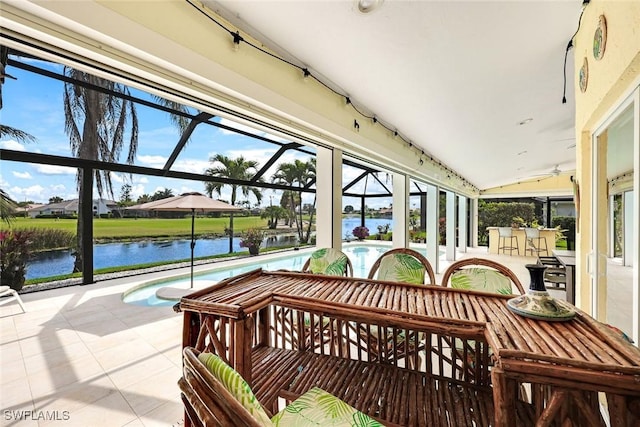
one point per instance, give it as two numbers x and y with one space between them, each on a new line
362 257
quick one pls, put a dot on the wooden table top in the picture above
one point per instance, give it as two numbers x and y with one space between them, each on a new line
581 346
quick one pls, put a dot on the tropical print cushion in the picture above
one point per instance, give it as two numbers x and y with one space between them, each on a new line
319 408
236 385
481 279
401 268
328 261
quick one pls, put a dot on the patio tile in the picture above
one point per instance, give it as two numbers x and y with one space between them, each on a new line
12 370
16 395
143 369
167 414
111 410
152 392
76 396
51 340
124 353
48 381
55 358
10 351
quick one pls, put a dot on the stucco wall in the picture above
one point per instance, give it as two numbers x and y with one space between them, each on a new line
610 80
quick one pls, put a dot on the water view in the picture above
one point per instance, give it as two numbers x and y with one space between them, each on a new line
52 263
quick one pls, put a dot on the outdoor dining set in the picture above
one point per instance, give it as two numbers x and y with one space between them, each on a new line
319 347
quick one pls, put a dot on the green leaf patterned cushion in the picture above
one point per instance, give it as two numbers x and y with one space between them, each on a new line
328 261
236 385
401 268
319 408
481 279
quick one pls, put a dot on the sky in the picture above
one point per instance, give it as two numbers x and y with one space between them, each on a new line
34 104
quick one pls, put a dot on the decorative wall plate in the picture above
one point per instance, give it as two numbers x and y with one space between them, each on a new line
583 77
600 38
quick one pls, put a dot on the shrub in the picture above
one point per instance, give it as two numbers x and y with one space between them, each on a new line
14 253
360 232
251 238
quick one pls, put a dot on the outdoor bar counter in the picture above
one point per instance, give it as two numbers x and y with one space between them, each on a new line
413 355
549 234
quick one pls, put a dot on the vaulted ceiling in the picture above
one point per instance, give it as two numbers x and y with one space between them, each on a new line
477 84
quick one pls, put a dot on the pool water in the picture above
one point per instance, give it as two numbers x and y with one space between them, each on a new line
362 257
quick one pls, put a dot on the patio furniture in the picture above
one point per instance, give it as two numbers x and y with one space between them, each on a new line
535 242
329 261
216 395
505 233
243 319
7 294
402 265
397 265
481 274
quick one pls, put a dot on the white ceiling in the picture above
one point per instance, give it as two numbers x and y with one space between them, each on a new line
454 77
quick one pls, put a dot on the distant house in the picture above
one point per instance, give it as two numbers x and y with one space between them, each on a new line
70 207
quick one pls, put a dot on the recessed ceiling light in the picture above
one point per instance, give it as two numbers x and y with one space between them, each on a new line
367 6
525 121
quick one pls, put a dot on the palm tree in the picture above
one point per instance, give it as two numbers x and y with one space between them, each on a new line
239 169
96 122
7 207
297 174
273 213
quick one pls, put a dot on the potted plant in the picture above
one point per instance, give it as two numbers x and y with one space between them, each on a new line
252 239
360 232
14 253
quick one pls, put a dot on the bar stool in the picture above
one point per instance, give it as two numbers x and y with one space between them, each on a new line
535 242
505 233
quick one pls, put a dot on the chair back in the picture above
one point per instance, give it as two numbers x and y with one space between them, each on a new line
505 231
217 395
329 261
481 274
532 233
403 265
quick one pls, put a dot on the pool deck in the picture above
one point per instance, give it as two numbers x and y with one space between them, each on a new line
80 356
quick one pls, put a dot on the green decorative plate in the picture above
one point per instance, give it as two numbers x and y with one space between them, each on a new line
540 306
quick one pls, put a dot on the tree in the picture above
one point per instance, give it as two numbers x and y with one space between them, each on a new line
161 194
298 174
96 122
125 195
238 169
274 214
55 199
7 207
143 199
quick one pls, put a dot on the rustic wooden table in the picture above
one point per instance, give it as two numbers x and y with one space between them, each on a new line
562 365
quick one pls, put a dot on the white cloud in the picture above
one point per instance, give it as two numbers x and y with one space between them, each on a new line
152 161
54 170
22 175
191 165
12 145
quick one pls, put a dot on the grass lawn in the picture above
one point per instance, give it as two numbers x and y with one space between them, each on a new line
125 228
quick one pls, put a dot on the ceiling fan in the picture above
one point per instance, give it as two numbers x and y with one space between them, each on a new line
553 172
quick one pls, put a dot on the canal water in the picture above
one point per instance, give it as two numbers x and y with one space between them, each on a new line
53 263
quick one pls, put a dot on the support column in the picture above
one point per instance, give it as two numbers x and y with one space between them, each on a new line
400 210
329 198
462 224
86 210
433 234
451 226
473 222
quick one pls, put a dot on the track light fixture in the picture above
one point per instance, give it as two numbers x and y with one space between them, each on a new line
237 38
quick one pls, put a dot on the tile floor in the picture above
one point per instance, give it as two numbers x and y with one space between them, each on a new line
80 356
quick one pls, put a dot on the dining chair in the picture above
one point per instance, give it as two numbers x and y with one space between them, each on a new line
7 294
481 274
329 261
403 265
478 274
215 394
535 242
505 233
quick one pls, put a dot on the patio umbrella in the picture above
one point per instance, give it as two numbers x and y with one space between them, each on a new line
188 202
